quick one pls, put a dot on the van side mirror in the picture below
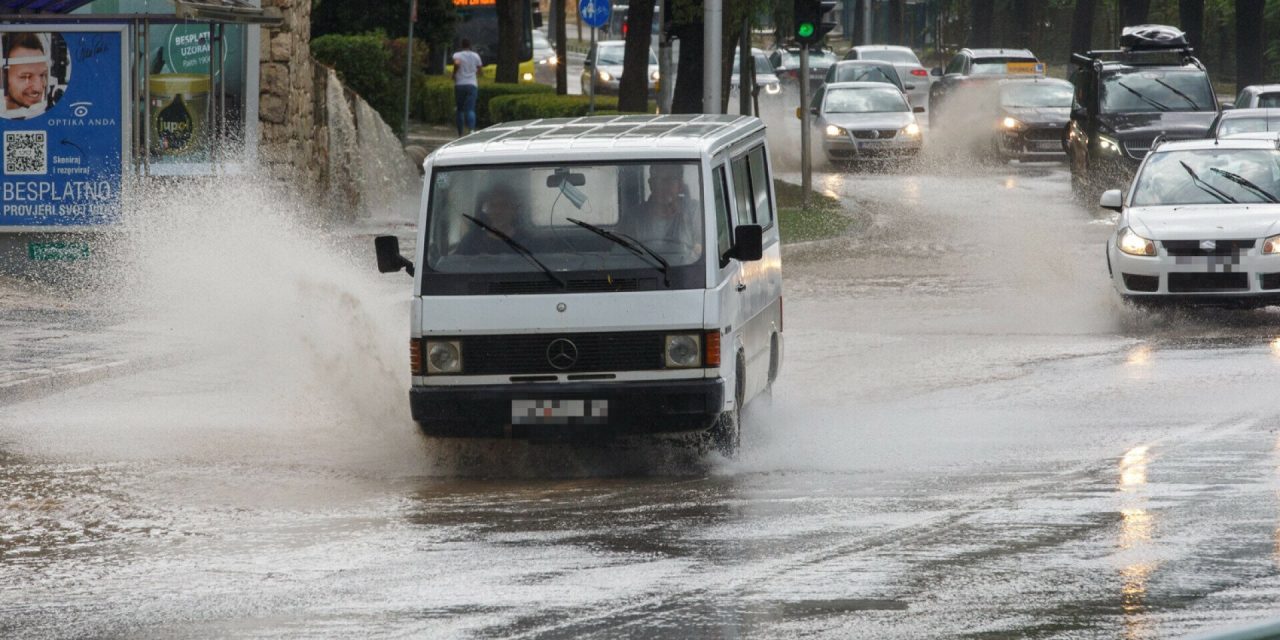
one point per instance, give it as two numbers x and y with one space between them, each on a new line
389 258
1111 199
748 242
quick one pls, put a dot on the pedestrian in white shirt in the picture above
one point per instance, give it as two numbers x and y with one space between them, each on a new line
467 67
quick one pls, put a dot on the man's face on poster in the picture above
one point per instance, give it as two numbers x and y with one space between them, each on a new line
25 83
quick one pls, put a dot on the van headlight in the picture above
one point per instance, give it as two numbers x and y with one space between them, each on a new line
444 356
1134 244
683 351
1108 144
1271 246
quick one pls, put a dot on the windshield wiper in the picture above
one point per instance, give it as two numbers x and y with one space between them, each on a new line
1205 186
1244 182
1142 96
518 248
636 247
1177 92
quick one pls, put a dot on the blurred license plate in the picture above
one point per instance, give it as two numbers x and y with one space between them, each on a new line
559 411
1049 145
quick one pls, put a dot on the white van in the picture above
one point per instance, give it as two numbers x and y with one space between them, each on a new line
595 276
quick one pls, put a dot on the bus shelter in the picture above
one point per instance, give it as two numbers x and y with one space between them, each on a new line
100 93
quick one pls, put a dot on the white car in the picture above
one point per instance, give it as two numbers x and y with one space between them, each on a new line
1200 224
595 277
915 78
1259 96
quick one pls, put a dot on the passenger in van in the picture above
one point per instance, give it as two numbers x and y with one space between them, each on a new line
499 207
668 221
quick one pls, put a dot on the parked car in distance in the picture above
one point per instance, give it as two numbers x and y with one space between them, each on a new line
1031 118
575 279
1259 96
1236 121
766 80
603 67
971 66
865 121
1200 224
1153 88
905 61
786 63
544 60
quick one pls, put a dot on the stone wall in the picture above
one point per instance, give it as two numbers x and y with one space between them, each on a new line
289 147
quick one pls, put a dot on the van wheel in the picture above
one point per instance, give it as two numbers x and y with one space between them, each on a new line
726 435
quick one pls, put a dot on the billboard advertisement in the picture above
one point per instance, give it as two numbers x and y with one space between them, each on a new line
64 128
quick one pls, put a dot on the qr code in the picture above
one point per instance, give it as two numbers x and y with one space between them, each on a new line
26 153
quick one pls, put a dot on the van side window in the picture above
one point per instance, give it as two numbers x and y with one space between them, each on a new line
742 192
724 228
760 186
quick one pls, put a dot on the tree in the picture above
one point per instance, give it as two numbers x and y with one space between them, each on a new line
1134 12
562 52
1024 20
686 25
1249 43
983 15
1191 15
1082 26
510 20
633 92
896 34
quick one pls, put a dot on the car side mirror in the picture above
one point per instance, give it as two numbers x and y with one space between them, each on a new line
909 87
813 110
936 71
1079 113
586 63
748 242
1226 106
389 258
1111 199
918 110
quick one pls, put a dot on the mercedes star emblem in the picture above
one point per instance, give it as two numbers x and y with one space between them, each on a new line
562 353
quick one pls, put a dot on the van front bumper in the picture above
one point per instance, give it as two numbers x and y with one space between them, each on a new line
489 411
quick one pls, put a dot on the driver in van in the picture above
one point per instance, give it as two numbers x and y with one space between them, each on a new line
669 217
499 207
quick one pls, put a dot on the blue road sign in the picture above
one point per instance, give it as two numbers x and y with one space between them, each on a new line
595 13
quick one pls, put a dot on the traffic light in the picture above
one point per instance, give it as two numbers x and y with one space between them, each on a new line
810 27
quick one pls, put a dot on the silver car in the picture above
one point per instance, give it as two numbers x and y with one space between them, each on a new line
1237 121
544 60
1259 96
865 121
603 66
766 79
915 78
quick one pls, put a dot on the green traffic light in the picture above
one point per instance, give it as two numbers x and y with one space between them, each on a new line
805 29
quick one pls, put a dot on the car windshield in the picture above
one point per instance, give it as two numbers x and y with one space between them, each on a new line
546 211
1251 124
889 55
1269 100
865 100
761 62
1137 91
1001 66
1036 94
614 55
864 73
1209 176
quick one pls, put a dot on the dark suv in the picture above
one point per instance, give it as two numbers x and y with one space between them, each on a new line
1151 90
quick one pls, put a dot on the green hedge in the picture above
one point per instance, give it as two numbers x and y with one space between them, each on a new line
435 103
516 107
363 62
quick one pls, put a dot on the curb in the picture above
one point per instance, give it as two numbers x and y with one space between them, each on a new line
69 377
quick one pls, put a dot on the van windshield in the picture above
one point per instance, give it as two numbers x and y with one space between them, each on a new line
549 228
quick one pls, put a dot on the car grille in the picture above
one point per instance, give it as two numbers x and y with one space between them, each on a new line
1137 148
1207 282
1221 247
523 354
1051 134
873 134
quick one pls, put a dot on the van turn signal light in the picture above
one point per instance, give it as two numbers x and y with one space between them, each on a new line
712 342
415 356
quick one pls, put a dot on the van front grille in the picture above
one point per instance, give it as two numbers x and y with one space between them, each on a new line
526 354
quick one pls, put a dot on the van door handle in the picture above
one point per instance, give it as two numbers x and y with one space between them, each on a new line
742 287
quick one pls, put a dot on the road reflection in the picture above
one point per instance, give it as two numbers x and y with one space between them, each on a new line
1137 362
1136 531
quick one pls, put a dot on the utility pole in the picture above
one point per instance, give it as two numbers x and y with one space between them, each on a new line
806 164
866 22
408 72
712 16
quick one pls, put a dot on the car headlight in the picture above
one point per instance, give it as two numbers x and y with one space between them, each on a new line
654 76
604 75
553 61
773 88
528 77
444 356
835 132
1271 245
1134 244
683 351
912 130
1108 144
1012 124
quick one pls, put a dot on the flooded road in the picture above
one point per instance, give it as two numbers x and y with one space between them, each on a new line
970 438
